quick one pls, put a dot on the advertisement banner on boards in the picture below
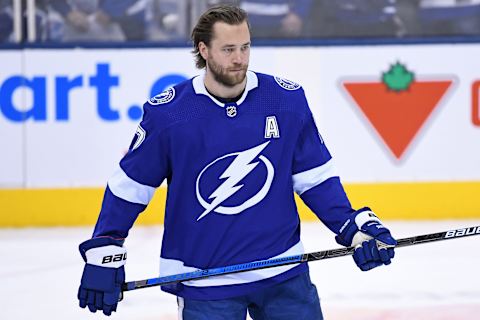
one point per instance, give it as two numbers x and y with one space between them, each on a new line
387 113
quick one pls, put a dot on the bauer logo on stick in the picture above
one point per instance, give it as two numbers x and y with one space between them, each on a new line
462 232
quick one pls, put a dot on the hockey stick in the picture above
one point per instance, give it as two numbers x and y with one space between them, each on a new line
306 257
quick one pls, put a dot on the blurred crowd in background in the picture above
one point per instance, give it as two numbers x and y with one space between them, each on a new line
172 20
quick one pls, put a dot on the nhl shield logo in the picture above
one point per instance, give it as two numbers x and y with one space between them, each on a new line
231 111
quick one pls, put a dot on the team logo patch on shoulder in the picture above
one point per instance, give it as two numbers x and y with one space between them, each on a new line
164 97
287 84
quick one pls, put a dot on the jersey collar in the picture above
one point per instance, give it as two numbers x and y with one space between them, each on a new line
199 87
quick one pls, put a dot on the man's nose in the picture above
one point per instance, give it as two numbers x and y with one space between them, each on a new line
238 56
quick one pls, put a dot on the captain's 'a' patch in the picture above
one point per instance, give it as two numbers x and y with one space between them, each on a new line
287 84
271 128
164 97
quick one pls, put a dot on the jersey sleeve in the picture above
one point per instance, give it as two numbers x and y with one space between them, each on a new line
133 183
315 179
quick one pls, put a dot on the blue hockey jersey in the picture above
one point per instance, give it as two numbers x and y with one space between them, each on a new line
231 171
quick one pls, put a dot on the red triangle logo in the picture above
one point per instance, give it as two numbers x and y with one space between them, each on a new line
397 116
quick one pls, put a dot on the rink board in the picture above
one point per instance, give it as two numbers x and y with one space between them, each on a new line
411 154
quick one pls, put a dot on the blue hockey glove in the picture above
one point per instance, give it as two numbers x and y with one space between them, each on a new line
374 245
103 275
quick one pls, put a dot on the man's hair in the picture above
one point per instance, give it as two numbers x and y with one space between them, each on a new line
203 31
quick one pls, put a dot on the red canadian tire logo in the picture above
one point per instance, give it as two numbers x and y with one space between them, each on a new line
398 105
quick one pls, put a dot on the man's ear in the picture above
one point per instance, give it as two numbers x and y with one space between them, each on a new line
203 49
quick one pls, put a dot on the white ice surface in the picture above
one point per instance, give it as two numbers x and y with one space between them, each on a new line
40 271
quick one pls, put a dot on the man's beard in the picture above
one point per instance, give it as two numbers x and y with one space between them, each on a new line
221 75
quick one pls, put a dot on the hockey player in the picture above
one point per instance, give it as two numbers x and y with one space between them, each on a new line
233 146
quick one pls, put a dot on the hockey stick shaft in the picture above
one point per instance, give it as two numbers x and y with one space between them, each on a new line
306 257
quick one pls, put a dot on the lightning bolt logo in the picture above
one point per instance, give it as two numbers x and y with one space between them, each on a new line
240 167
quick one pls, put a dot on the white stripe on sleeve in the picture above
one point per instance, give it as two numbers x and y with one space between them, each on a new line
128 189
306 180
